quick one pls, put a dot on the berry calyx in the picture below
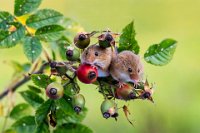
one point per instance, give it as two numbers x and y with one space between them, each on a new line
106 115
146 95
87 74
53 64
82 37
54 90
108 38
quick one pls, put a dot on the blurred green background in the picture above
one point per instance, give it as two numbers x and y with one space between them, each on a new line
177 100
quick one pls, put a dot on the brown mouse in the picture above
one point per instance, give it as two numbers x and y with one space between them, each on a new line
98 57
126 67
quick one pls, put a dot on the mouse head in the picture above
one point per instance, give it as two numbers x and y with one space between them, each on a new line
97 56
132 66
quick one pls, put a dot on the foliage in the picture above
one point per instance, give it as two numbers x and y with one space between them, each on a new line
162 53
127 39
34 28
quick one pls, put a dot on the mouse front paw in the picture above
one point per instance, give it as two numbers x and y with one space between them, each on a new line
121 84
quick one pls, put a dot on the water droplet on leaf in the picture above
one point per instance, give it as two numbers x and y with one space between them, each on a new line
39 78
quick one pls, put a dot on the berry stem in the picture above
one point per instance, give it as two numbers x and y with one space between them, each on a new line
101 89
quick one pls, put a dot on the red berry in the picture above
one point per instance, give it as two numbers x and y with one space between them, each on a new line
86 73
125 92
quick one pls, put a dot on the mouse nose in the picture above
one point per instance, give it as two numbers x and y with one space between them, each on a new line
134 80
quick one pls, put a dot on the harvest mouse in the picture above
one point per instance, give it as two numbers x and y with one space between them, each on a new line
98 57
126 67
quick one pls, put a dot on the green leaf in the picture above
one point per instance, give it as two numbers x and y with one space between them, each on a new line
62 43
71 26
69 89
5 19
10 39
32 48
16 65
9 131
65 105
66 114
19 69
32 98
63 117
42 111
5 16
41 80
127 39
72 128
50 32
23 7
41 116
34 89
43 17
26 67
25 125
53 54
43 128
162 53
20 111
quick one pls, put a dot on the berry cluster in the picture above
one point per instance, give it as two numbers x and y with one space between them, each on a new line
127 85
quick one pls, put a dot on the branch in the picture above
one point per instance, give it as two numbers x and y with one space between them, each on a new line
21 82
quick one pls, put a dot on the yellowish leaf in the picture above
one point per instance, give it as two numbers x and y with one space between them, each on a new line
1 110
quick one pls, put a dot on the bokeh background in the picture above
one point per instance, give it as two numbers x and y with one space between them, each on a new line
177 95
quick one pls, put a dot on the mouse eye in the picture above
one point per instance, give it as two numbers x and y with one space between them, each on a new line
96 53
129 70
138 70
86 53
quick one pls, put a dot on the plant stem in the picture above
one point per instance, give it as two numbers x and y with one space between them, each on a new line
22 81
8 111
101 89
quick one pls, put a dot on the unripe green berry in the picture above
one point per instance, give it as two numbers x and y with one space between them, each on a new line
82 40
109 108
78 102
61 69
72 54
106 40
54 90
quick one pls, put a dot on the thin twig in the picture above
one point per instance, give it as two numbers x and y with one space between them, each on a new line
21 82
101 89
8 112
